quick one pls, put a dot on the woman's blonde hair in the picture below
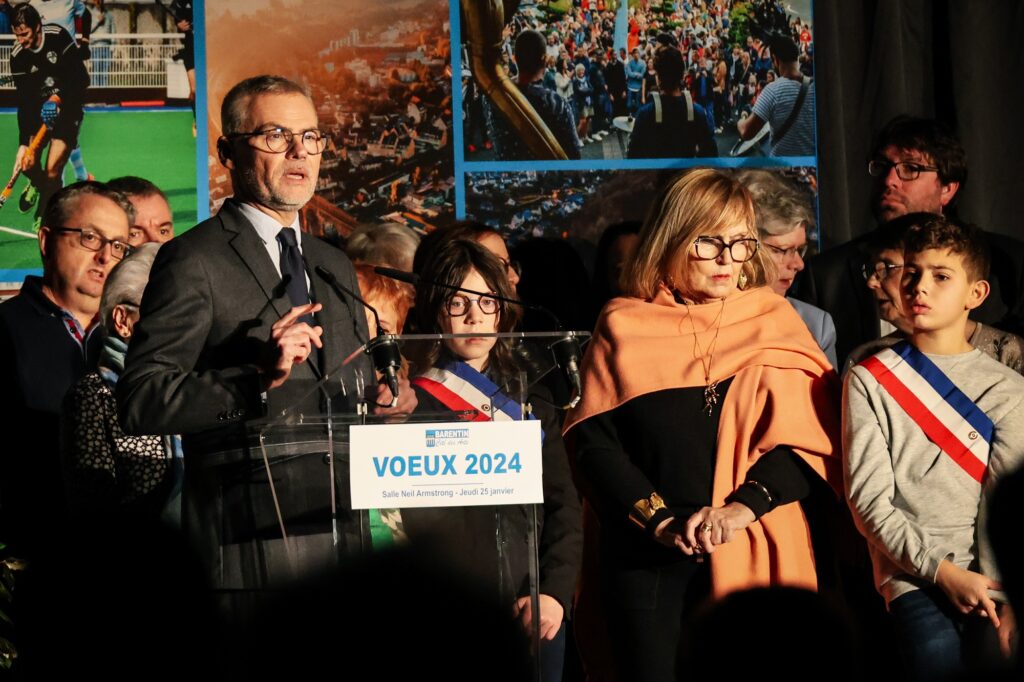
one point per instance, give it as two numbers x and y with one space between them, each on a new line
698 202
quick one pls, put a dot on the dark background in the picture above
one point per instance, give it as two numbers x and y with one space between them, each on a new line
961 62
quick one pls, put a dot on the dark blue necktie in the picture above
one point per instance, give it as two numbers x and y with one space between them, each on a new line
292 271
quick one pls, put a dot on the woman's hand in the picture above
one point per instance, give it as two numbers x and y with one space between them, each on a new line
713 526
669 533
967 590
551 614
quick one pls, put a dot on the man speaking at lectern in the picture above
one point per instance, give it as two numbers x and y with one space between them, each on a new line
236 323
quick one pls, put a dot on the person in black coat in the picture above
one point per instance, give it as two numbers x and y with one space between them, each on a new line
615 78
239 322
481 375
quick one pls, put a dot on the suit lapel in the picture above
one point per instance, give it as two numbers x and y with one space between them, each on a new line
320 292
250 249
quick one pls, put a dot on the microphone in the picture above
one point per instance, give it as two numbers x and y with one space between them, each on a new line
566 350
400 275
383 348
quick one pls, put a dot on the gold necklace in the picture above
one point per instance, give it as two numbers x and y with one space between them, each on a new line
710 387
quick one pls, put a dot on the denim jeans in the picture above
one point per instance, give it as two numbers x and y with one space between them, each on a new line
632 101
929 632
552 657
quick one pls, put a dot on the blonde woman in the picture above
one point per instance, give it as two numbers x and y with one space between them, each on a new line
707 413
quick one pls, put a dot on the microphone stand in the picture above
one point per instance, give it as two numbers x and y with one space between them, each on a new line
382 348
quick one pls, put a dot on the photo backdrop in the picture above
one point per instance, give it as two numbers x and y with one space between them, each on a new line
394 89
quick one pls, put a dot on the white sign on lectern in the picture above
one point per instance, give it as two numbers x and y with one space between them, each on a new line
459 464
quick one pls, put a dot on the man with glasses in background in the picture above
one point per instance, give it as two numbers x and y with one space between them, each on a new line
50 337
919 166
240 320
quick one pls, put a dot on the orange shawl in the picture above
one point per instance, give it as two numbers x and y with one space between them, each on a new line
784 393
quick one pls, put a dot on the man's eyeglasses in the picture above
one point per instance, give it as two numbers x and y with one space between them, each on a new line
786 253
94 241
458 305
710 248
880 270
905 170
279 140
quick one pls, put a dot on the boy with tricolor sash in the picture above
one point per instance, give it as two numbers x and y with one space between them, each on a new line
929 425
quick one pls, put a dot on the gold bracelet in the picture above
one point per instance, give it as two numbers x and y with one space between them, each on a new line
763 489
644 509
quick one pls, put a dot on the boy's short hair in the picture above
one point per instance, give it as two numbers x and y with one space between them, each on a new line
890 236
933 231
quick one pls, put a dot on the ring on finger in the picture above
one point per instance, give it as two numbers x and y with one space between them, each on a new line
707 527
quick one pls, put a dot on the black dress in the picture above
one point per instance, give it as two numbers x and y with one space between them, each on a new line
662 442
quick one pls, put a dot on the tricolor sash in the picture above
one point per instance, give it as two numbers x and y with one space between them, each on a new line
461 388
948 418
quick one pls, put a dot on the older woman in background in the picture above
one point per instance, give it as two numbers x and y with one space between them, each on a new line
707 412
105 469
783 216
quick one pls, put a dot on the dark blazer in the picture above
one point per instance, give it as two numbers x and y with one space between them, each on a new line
191 368
834 281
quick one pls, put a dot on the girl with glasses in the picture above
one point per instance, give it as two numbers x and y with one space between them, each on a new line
478 373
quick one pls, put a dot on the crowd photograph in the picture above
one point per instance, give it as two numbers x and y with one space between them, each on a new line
338 401
618 80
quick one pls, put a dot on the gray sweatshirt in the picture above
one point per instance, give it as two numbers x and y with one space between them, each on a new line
912 502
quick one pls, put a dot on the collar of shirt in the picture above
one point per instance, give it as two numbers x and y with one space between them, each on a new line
267 229
76 332
32 289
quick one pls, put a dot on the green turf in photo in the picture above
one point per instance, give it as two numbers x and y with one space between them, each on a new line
156 145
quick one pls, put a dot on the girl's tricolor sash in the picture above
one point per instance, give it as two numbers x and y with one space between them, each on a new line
460 387
948 418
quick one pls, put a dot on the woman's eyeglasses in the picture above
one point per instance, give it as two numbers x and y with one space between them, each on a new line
710 248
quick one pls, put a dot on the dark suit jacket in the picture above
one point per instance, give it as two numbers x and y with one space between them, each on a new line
212 297
834 281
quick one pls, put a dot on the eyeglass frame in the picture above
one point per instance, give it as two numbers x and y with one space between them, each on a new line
705 239
915 169
82 231
469 304
786 253
289 137
870 272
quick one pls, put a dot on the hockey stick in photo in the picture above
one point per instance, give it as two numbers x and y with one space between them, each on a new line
33 148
